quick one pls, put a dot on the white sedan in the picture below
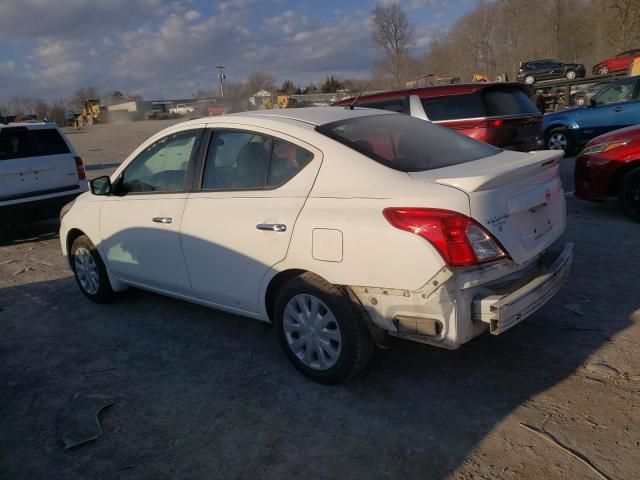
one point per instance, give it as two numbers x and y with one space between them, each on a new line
340 226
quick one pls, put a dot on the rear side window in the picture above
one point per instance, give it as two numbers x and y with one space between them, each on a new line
20 142
245 160
453 107
507 101
405 143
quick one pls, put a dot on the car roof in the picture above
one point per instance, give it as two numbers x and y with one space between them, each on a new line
312 116
436 91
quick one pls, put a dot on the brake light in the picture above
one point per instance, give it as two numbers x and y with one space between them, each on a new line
459 239
80 168
495 123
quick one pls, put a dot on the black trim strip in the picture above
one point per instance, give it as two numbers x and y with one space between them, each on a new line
39 192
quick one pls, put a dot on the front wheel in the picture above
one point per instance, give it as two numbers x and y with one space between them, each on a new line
529 79
629 194
89 271
603 70
560 139
322 330
571 75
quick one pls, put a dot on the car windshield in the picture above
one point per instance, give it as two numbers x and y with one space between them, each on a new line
405 143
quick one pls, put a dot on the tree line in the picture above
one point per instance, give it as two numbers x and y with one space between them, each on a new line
497 36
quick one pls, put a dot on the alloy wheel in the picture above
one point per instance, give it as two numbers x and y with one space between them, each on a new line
86 270
571 75
558 141
529 79
312 332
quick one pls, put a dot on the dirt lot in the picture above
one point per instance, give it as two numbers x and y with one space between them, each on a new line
202 394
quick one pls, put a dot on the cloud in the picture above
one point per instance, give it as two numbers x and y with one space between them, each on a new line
192 15
172 48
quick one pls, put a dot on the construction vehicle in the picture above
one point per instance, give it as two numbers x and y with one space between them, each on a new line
92 112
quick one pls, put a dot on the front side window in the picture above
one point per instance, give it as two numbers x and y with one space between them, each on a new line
163 166
246 160
405 143
618 92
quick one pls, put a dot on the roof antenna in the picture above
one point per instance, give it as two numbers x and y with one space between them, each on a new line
359 95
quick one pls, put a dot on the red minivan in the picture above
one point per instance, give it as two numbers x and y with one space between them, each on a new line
501 114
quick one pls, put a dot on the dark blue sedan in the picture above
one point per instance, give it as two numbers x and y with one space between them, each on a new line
615 106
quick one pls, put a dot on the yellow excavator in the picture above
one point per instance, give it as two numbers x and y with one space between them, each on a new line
92 112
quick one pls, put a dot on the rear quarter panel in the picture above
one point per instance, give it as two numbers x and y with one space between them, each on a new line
349 195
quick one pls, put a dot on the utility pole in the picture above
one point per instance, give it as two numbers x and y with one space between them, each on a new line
221 77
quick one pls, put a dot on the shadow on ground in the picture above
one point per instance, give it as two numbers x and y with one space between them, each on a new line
203 394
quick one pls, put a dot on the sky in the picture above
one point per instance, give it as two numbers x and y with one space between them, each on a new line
169 49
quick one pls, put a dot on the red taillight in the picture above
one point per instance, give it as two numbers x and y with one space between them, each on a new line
80 168
459 239
495 123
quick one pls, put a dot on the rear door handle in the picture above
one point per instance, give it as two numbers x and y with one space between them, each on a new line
162 219
618 109
272 227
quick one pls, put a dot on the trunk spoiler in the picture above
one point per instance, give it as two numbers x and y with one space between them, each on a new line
490 172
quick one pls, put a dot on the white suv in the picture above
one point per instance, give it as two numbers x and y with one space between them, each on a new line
339 226
39 171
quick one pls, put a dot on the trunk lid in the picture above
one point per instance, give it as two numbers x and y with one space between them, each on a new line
24 177
518 197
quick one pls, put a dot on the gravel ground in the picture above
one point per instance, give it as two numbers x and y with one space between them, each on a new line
202 394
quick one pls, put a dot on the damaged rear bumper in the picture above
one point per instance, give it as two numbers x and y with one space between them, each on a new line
456 305
501 312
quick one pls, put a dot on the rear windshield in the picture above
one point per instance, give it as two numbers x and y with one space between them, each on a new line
20 142
405 143
493 102
507 101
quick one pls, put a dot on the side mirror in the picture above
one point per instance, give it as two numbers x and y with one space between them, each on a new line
101 186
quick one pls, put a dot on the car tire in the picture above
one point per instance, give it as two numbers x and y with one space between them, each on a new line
89 271
571 75
529 79
581 100
629 194
603 70
560 138
337 344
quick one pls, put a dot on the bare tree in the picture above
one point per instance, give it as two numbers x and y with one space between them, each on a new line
260 81
392 34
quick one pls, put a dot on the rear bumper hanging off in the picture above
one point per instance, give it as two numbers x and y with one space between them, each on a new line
502 312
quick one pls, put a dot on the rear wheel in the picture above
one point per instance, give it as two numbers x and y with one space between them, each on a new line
603 70
560 139
89 270
571 75
629 194
321 330
529 79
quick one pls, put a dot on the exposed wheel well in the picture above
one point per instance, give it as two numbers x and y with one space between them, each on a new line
614 183
274 287
71 237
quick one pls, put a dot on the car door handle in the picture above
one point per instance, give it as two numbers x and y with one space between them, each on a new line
618 109
272 227
162 219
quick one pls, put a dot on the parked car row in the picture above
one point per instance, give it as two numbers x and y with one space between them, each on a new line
284 216
547 69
